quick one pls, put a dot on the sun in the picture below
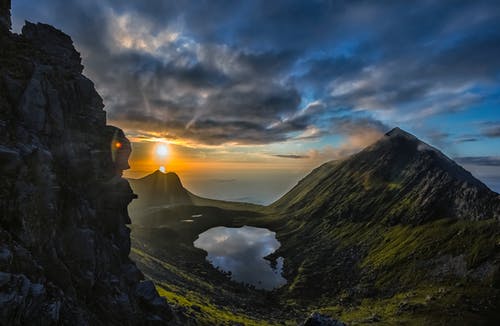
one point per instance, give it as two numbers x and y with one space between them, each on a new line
161 150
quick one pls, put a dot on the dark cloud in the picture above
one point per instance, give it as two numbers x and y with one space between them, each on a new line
292 156
467 140
491 129
258 72
479 160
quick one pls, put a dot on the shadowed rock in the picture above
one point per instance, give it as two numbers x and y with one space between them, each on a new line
64 240
317 319
5 22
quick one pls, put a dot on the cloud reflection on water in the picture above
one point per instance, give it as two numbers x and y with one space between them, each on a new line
241 251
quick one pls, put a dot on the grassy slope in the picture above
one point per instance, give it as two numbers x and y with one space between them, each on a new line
164 252
357 269
194 295
434 272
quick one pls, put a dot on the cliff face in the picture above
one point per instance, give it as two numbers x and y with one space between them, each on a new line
64 243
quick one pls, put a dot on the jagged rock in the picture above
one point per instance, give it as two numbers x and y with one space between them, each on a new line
5 22
64 240
147 292
317 319
57 46
9 160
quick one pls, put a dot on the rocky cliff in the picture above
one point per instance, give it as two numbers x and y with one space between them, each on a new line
64 240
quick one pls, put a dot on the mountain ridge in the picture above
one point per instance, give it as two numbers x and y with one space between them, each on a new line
400 168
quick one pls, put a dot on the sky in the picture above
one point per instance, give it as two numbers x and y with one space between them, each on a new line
249 96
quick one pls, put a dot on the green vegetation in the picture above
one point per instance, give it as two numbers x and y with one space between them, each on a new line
437 273
421 306
206 312
364 240
354 271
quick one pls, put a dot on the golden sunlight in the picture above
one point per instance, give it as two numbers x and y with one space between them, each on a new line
161 150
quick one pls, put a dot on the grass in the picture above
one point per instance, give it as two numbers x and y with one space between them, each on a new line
420 306
186 280
354 270
401 274
203 309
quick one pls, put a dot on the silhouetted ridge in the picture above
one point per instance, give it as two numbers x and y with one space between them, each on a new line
398 178
159 188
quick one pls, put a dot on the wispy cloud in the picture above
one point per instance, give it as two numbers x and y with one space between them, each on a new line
491 129
292 156
479 160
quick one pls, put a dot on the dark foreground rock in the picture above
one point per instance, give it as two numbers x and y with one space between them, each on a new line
317 319
64 243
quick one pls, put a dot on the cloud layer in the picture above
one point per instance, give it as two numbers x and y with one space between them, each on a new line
262 72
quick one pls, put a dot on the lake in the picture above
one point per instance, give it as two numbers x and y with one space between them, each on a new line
241 251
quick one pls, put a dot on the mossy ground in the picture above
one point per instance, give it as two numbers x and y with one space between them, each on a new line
358 272
435 273
166 255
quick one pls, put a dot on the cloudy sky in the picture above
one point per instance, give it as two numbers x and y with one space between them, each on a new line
245 91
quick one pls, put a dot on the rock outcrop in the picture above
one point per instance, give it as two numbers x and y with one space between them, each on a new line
64 243
5 21
317 319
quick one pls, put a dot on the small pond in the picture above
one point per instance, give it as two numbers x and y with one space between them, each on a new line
241 252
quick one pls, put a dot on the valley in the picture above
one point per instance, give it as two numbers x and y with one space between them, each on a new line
362 242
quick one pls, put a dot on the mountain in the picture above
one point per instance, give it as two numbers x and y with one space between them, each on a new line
162 195
159 188
64 240
397 179
397 233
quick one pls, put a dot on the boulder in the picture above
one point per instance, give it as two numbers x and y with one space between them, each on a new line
317 319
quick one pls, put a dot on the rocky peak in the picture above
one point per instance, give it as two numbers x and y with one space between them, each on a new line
399 147
55 44
398 132
169 178
159 188
5 22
